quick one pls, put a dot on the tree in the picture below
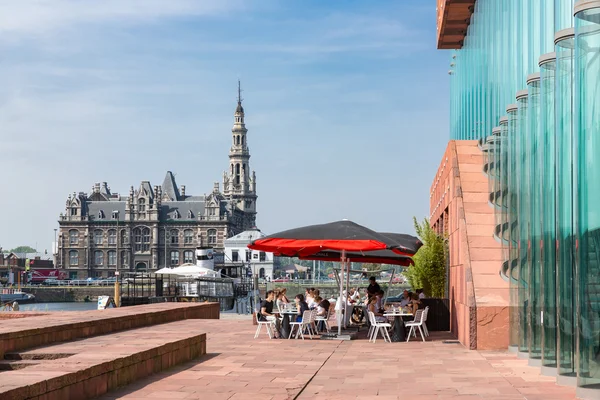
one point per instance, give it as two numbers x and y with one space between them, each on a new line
23 249
429 271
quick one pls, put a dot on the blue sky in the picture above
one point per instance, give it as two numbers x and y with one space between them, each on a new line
346 104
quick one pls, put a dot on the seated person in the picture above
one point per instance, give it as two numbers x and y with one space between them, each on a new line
405 301
266 311
415 303
301 306
372 306
322 310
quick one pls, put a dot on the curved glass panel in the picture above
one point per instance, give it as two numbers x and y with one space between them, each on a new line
546 157
587 127
523 214
565 176
513 230
563 14
534 226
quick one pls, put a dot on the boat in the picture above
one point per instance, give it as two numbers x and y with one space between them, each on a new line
8 295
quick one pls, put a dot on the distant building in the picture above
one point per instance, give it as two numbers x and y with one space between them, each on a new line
237 252
13 263
157 226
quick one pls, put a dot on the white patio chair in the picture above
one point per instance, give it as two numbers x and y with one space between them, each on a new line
417 322
425 314
377 327
304 324
269 325
324 319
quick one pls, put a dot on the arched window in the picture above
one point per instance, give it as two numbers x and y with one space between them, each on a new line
124 238
112 237
188 236
98 237
112 258
124 262
237 174
174 236
243 137
231 169
237 139
176 214
212 236
73 258
174 258
98 257
261 273
188 257
100 214
190 214
142 205
73 236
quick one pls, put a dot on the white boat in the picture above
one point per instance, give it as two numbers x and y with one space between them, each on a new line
8 295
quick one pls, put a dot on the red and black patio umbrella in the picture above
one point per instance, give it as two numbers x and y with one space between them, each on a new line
376 257
404 244
340 235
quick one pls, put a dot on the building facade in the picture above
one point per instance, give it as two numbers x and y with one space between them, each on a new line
237 252
524 79
156 226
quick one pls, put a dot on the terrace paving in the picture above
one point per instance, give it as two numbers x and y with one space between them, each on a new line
239 367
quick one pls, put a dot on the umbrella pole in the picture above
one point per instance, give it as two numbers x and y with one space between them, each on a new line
341 298
347 307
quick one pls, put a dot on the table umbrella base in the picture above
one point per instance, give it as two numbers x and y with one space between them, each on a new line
345 335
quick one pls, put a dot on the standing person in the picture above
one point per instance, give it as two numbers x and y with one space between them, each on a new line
373 287
266 311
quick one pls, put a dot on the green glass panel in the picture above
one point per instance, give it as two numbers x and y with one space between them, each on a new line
513 229
565 176
587 128
547 174
523 214
534 219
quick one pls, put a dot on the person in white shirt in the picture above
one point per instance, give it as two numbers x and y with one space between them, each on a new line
405 299
421 294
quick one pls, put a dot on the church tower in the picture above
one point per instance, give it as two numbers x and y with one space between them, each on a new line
239 184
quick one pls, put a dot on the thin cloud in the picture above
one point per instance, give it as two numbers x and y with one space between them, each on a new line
40 16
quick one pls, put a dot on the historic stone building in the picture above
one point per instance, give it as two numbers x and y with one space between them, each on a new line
102 232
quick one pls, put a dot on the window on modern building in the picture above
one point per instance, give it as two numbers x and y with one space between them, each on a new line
248 255
142 205
263 256
188 236
73 236
212 236
73 258
146 239
100 214
98 257
174 258
112 237
235 256
98 237
112 257
188 257
174 236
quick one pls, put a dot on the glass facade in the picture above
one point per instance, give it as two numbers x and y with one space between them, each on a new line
543 162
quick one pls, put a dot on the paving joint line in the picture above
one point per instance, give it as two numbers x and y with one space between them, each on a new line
317 371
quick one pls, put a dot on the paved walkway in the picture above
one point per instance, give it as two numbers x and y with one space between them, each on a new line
240 367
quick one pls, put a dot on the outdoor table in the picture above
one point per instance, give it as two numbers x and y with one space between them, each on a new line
398 334
285 322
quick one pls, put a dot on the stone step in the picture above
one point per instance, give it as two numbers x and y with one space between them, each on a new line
90 367
39 330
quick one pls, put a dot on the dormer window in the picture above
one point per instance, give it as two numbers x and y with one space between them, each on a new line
100 214
190 214
211 211
176 215
115 215
73 211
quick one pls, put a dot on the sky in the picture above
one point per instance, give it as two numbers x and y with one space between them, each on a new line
346 105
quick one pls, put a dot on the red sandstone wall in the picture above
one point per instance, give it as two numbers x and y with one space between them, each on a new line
459 207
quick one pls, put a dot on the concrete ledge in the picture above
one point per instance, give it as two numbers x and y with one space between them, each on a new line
100 364
26 333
